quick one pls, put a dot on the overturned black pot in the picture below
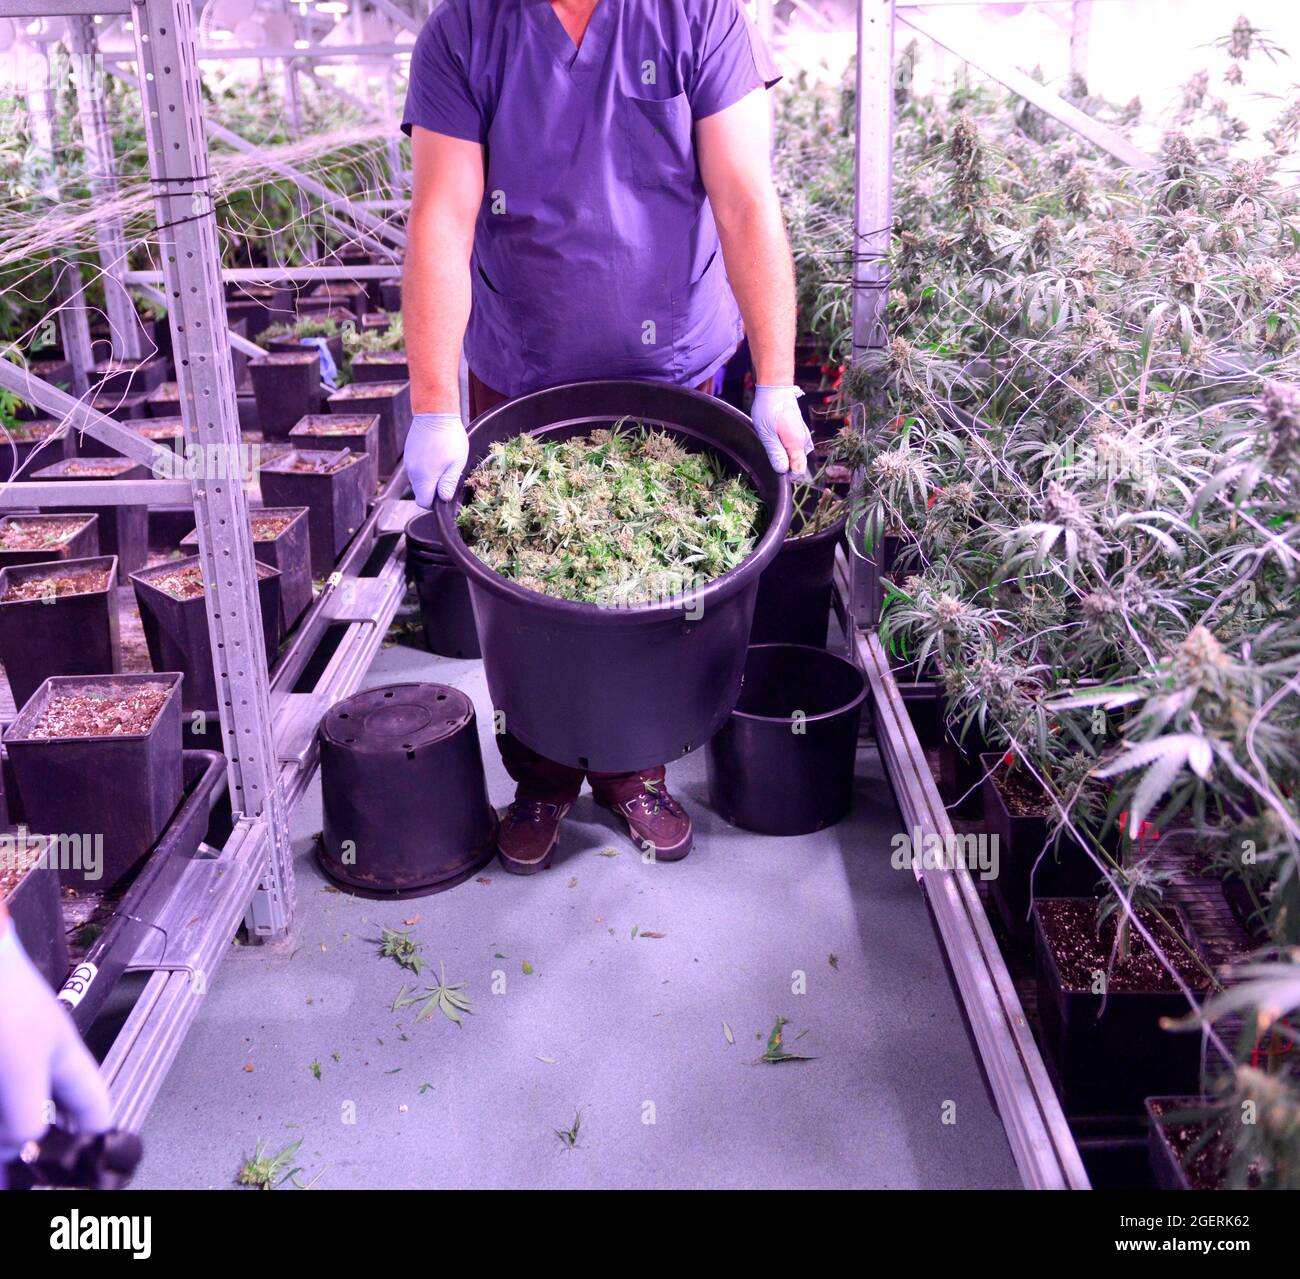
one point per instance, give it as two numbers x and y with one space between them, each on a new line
406 805
55 621
783 763
446 612
619 689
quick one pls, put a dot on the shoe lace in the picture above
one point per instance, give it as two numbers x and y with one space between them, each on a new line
529 810
654 798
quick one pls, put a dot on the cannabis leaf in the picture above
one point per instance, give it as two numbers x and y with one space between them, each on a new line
775 1053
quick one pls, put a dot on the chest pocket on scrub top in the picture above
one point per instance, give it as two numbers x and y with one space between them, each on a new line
658 149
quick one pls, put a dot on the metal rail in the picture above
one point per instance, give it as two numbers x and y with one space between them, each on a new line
1037 1132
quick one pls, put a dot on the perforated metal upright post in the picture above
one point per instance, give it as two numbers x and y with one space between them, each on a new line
187 242
873 214
123 323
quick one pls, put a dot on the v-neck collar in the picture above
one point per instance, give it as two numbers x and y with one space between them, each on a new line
594 40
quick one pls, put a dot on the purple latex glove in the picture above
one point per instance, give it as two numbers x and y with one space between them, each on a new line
780 425
435 454
41 1058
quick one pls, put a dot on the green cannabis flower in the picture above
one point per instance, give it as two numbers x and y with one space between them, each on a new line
618 517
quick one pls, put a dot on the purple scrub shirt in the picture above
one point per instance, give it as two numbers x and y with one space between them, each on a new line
595 252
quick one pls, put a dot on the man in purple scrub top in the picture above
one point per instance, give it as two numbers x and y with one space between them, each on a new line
592 199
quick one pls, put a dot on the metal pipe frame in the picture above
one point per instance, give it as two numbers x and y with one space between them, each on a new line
123 322
367 226
1041 1142
285 274
74 320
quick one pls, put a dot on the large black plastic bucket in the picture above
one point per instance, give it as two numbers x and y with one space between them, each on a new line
783 763
406 806
617 689
794 593
445 608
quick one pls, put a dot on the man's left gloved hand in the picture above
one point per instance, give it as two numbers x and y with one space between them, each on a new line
780 425
41 1058
435 454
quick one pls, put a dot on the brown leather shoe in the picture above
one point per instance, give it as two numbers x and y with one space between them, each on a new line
528 834
657 823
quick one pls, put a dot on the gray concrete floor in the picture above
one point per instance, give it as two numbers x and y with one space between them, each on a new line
628 1031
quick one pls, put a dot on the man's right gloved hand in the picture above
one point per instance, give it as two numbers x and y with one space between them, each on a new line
436 451
41 1057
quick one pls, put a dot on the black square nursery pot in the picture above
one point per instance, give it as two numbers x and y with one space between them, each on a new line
58 619
356 431
122 786
1063 870
123 530
30 445
122 377
1105 1059
171 599
34 539
392 401
280 541
380 366
164 400
332 484
287 387
29 889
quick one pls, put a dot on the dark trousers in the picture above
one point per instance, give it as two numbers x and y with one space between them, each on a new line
537 777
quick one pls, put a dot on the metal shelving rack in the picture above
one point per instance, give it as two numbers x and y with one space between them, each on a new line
267 721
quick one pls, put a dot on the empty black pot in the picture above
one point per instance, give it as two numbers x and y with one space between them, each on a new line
794 593
783 763
445 607
619 689
406 806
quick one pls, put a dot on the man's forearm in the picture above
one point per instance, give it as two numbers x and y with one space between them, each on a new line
759 268
435 310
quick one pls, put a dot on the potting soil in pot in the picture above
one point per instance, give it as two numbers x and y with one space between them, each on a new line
84 715
184 584
1070 928
623 515
35 535
266 528
81 582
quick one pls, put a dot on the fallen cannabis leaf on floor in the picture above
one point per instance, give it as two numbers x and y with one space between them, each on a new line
775 1053
499 955
726 1030
402 948
573 883
424 1088
482 879
315 1070
569 1136
448 999
527 967
550 1061
834 960
411 923
634 930
265 1173
657 936
608 852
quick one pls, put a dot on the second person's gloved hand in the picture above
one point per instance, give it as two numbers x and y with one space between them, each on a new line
780 425
435 454
41 1057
